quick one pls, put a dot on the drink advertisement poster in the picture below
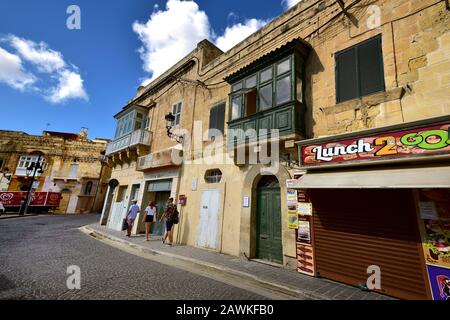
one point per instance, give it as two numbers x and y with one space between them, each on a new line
439 282
435 212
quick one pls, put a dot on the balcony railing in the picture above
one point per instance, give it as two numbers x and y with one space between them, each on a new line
138 137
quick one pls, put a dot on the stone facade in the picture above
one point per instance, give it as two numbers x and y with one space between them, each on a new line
415 49
72 167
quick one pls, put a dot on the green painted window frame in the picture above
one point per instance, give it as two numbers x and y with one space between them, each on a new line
259 84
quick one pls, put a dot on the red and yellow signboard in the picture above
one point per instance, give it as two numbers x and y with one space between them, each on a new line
390 145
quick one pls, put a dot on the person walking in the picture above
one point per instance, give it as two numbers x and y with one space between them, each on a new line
148 218
170 214
131 216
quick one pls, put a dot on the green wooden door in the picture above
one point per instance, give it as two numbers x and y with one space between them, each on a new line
268 236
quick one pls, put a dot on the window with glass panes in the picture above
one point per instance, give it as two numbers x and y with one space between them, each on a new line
176 111
132 121
268 88
27 160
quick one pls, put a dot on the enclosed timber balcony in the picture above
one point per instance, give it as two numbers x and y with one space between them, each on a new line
137 138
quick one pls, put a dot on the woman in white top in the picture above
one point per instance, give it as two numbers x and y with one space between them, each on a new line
149 217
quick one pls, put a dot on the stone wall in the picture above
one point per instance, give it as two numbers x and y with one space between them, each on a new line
415 45
60 155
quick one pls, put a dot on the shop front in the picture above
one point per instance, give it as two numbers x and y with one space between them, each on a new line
161 178
373 209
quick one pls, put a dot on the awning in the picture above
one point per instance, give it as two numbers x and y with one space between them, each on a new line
430 177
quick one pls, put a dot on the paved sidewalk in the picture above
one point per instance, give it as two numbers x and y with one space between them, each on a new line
11 216
286 281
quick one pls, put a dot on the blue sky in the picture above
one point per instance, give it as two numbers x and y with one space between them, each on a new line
81 78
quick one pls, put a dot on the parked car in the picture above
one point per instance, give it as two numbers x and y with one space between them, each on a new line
2 208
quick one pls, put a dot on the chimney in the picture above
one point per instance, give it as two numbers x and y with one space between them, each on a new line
83 133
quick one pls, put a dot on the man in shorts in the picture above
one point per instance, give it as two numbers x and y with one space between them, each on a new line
131 216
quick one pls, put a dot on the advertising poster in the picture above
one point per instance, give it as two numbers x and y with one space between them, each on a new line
291 199
305 259
304 230
304 208
292 220
435 211
293 184
292 195
439 282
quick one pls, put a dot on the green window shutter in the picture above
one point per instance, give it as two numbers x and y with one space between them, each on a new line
220 124
346 75
359 70
217 118
212 120
370 60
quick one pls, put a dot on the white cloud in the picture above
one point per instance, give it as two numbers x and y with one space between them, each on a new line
45 59
12 72
70 86
289 3
238 32
58 80
171 34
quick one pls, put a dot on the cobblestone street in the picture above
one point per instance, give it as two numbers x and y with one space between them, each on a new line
35 253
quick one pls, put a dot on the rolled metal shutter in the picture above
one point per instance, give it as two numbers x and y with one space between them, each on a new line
354 229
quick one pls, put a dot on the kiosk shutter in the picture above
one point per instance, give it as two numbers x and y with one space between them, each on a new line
355 229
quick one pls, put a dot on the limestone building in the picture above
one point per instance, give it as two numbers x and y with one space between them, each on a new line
72 165
324 69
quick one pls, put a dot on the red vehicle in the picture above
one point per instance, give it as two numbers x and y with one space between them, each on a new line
40 201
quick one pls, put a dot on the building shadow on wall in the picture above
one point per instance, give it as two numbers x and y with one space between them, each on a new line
312 69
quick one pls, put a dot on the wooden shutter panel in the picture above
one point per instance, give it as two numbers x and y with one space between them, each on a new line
217 118
212 117
212 121
220 120
370 62
353 231
346 75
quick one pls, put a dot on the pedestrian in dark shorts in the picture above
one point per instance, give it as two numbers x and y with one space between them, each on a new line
131 216
148 218
169 214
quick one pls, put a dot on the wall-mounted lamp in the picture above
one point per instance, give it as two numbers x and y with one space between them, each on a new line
170 122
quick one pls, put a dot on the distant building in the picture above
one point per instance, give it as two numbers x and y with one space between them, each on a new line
72 166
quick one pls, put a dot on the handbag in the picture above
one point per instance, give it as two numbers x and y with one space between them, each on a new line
124 225
176 218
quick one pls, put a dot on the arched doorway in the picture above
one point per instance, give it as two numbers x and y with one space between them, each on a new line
268 220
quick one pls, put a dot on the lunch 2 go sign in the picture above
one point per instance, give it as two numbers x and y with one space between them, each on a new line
385 145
